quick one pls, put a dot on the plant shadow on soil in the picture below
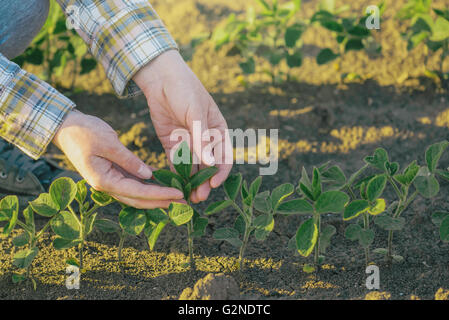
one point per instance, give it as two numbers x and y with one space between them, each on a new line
343 123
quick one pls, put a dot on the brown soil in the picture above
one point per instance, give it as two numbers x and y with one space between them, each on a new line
320 119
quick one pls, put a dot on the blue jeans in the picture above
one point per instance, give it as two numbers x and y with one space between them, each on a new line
20 22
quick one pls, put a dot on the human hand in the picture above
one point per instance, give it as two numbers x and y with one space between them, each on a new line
176 98
94 149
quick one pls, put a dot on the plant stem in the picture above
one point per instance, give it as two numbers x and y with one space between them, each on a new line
317 246
366 226
81 245
243 247
120 246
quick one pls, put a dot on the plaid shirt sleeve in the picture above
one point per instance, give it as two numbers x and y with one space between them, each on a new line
31 110
123 35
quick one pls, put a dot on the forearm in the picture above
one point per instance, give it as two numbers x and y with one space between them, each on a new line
31 111
124 36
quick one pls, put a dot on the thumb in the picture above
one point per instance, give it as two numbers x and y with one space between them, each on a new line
127 160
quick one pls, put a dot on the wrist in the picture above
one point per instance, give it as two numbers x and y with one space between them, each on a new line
73 118
154 71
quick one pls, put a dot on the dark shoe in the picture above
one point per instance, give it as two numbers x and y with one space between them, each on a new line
27 178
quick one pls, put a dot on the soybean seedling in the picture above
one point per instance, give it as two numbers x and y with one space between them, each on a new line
247 223
9 211
273 34
370 204
420 178
350 33
424 29
180 214
441 219
310 235
71 229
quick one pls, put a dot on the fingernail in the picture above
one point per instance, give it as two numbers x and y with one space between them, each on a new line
145 172
209 160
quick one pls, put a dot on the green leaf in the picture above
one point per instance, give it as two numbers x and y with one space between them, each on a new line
444 230
87 65
187 191
359 31
354 44
409 174
21 240
89 223
306 191
225 233
63 192
296 206
382 251
232 185
280 193
249 66
44 205
392 167
440 30
101 198
334 175
292 35
376 187
305 178
17 278
132 220
264 222
107 226
9 211
199 225
157 215
66 225
165 177
218 206
352 232
438 217
332 25
377 208
427 186
326 56
354 209
180 213
202 176
81 192
389 223
294 60
28 215
379 159
73 262
306 237
255 186
331 202
316 183
442 173
434 153
154 234
24 258
228 234
240 225
262 202
176 184
61 244
325 237
366 237
182 161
